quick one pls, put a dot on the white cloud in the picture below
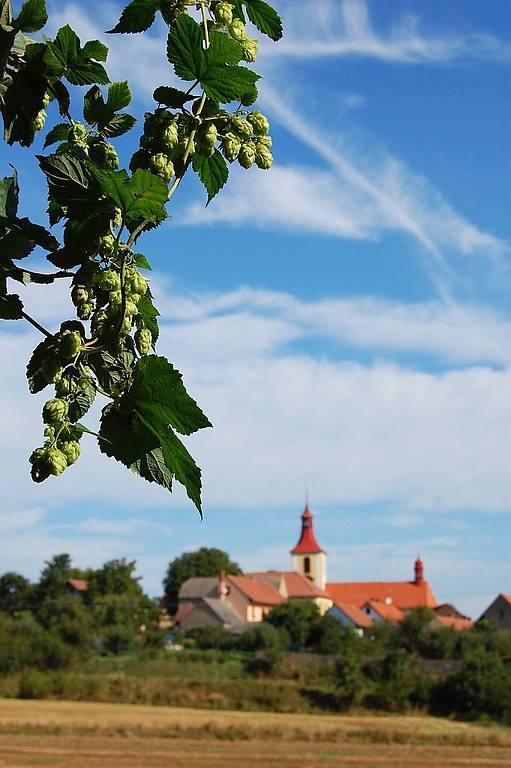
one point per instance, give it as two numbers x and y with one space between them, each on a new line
329 28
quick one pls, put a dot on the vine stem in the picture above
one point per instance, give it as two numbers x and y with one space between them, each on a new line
36 324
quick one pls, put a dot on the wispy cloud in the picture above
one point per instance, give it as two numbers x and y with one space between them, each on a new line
328 28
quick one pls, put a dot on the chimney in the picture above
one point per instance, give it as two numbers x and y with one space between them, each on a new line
222 586
419 572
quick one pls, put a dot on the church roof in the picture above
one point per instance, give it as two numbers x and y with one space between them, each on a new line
403 594
357 616
256 591
289 583
307 544
386 611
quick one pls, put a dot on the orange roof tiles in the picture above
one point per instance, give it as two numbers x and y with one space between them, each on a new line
307 544
296 585
404 594
256 591
357 616
80 585
386 611
455 623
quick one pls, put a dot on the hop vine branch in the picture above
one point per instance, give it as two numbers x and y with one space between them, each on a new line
99 212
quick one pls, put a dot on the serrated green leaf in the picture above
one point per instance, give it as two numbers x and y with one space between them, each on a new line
158 393
93 105
59 132
69 181
36 379
32 16
124 437
63 97
225 84
171 97
119 95
142 196
9 196
64 55
264 17
118 125
137 16
141 261
14 245
223 50
212 171
184 48
80 402
11 307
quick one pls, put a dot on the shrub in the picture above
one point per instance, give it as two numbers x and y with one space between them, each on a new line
34 685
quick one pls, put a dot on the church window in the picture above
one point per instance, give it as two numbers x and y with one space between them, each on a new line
306 565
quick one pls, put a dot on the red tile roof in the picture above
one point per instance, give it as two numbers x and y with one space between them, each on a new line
404 594
507 598
455 623
80 585
296 585
307 544
256 591
357 616
182 612
387 611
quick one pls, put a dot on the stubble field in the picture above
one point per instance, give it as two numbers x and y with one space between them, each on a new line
88 735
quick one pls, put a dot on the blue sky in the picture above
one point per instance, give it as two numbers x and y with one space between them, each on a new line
344 318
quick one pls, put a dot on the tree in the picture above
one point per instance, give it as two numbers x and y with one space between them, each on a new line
297 619
108 352
16 593
206 561
54 578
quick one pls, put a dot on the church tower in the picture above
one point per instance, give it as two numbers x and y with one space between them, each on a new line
307 557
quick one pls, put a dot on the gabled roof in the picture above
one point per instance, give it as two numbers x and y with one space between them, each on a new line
307 544
507 598
225 612
198 587
356 615
403 594
79 585
256 591
289 583
182 612
386 611
454 622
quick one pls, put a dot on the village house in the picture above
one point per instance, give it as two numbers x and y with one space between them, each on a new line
499 611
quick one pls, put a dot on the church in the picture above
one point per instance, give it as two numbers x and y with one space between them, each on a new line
236 602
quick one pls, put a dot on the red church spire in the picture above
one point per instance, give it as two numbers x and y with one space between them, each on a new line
419 571
307 544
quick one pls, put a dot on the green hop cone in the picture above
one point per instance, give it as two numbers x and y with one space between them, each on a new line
250 49
65 386
206 139
237 30
79 294
161 165
242 127
264 159
115 298
40 469
46 99
171 135
259 123
54 411
137 283
104 155
247 155
143 341
223 13
131 308
51 369
84 310
109 280
117 218
70 344
127 325
107 246
39 121
99 323
264 141
71 450
231 145
78 134
56 461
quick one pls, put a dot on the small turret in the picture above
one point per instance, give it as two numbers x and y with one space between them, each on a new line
307 557
419 571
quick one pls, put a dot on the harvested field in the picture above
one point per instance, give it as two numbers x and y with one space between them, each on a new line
87 735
